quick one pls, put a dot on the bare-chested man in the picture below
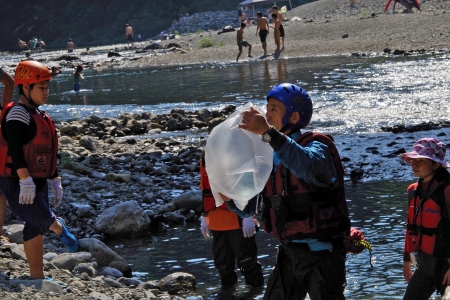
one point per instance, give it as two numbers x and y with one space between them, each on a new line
276 31
263 28
241 42
280 19
70 46
129 34
22 45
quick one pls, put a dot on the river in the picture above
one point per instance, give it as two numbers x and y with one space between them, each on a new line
352 96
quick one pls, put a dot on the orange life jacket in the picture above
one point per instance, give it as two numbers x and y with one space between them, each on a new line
428 223
40 153
295 210
220 218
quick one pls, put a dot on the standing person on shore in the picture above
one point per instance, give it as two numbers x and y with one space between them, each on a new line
8 91
241 42
428 221
70 46
233 238
77 78
129 34
276 32
280 19
304 199
263 29
24 171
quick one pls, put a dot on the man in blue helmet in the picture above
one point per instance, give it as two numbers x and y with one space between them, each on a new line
304 199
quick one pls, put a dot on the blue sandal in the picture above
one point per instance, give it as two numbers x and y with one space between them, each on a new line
67 238
62 284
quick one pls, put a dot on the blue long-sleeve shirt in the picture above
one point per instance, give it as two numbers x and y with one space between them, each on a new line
312 163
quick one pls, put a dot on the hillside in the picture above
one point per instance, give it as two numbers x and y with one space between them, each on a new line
95 22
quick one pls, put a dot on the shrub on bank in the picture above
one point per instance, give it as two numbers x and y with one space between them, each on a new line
206 42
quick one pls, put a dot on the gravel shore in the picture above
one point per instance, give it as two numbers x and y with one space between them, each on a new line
329 27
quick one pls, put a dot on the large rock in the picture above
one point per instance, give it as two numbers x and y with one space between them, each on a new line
177 282
189 200
14 233
40 284
123 220
68 261
104 256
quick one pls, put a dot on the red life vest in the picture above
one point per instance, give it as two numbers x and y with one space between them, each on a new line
40 153
220 218
430 231
296 210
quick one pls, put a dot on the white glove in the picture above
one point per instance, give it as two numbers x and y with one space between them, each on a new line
204 227
248 227
27 191
57 190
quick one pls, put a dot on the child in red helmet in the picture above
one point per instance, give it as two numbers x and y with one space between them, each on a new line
28 160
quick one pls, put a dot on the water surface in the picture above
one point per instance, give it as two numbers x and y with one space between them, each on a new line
378 208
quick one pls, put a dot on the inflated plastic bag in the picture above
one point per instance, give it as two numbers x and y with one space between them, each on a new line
238 162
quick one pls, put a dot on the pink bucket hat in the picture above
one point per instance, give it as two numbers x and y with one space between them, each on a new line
427 148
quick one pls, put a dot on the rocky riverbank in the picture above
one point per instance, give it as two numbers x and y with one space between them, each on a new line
122 178
116 171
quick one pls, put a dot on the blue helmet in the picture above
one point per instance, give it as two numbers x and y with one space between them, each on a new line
294 98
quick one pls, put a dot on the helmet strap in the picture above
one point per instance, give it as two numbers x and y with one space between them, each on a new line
30 101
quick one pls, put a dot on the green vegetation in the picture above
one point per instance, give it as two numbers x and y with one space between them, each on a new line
66 161
365 12
205 42
176 32
199 31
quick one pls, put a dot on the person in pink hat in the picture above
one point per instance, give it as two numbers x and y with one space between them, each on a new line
427 242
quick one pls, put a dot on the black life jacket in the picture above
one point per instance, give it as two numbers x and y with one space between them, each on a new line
296 210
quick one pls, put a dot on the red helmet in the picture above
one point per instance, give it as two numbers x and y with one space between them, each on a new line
31 71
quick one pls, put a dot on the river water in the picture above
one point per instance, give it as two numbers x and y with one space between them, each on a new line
352 96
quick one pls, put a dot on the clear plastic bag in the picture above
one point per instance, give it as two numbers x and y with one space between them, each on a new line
238 162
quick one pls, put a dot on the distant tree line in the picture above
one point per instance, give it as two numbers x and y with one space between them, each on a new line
95 22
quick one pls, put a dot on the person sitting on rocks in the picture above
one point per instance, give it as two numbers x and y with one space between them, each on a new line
22 45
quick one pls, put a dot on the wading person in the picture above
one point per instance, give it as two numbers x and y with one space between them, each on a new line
241 42
129 34
280 19
77 77
28 160
428 225
276 32
304 199
263 29
233 239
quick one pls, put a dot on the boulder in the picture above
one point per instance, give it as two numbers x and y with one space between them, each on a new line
177 282
104 256
123 220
